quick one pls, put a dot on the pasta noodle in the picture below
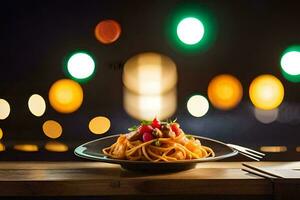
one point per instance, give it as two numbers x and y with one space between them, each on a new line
156 149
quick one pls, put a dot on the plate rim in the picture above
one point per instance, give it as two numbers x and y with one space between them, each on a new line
78 151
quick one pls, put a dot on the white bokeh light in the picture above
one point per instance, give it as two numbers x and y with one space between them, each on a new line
190 30
37 105
81 65
197 105
266 116
4 109
290 62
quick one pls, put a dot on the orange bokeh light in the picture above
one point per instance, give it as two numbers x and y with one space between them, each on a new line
65 96
108 31
225 91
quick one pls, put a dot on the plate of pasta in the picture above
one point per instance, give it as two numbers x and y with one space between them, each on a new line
155 146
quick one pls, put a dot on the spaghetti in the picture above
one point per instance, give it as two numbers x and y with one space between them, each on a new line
157 141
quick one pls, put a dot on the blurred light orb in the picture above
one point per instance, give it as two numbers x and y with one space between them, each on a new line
26 147
150 74
52 129
266 116
190 30
4 109
37 105
225 91
56 146
65 96
99 125
107 31
197 105
1 133
2 147
290 62
146 107
273 149
81 65
266 92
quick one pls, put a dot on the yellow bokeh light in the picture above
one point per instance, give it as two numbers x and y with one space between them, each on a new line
99 125
65 96
150 73
273 149
56 146
26 147
52 129
1 133
266 92
225 91
37 105
146 107
2 147
4 109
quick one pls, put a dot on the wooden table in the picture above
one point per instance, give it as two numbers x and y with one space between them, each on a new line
215 180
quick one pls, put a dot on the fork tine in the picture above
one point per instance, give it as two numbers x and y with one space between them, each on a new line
253 154
253 151
251 157
247 149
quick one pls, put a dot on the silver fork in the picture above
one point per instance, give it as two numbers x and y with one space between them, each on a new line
250 153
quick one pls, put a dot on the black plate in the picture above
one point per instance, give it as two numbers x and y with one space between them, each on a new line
93 151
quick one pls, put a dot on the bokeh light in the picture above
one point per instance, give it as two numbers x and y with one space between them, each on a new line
107 31
273 149
225 91
56 146
65 96
197 105
150 73
146 107
4 109
1 133
37 105
190 30
2 147
99 125
266 92
26 147
52 129
290 62
266 116
81 66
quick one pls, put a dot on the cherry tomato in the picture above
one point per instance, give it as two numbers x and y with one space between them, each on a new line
155 123
145 128
147 137
175 128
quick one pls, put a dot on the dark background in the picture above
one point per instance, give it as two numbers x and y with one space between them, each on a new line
249 38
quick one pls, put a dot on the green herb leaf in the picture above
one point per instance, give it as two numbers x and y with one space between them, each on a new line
145 122
189 137
170 121
133 128
157 143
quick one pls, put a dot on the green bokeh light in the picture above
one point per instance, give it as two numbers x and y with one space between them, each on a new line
80 66
192 10
290 65
190 30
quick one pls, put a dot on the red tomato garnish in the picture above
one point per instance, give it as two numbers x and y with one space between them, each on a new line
147 137
145 128
175 128
155 123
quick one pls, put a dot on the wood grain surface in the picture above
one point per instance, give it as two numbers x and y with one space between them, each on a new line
100 179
